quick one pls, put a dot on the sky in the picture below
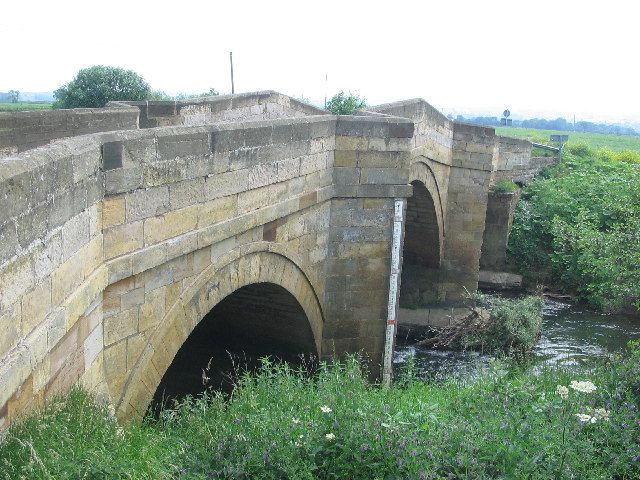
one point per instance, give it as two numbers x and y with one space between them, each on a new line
537 58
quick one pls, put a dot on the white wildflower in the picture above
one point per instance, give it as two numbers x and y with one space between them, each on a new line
584 387
562 391
330 436
295 421
325 409
601 414
584 418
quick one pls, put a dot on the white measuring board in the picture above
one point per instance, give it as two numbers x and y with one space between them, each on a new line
392 308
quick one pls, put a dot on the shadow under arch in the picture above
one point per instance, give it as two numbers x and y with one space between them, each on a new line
256 266
423 240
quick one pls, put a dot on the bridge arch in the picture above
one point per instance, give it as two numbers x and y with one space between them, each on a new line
254 269
424 238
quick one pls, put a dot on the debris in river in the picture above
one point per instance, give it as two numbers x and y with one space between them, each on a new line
493 325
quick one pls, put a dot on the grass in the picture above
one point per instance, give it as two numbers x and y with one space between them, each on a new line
15 107
505 186
594 140
508 423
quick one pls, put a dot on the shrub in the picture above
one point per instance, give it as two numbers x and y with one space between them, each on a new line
95 86
505 186
578 229
580 149
343 104
627 156
513 327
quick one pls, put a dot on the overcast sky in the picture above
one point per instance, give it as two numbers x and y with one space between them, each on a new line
542 57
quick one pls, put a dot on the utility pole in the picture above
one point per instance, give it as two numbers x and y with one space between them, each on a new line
326 81
233 90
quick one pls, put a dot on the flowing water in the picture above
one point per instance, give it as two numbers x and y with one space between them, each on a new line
570 335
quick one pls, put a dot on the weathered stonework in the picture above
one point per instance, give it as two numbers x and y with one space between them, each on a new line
500 209
115 245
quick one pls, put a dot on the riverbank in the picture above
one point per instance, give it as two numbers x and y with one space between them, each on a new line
506 422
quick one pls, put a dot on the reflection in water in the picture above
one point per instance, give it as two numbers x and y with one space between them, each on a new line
570 336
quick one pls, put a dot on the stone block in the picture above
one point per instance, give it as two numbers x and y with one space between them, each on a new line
115 363
132 298
123 180
112 155
64 350
92 346
15 192
147 203
153 310
226 140
255 137
33 224
351 143
148 258
10 328
75 234
113 211
217 210
183 194
120 326
171 224
36 305
346 176
85 164
16 278
225 184
8 241
123 239
384 176
187 145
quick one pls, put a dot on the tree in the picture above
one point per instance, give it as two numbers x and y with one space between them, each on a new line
343 104
95 86
14 96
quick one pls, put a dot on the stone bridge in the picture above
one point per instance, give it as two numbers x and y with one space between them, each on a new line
245 216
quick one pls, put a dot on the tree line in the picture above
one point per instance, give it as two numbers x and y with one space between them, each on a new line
560 124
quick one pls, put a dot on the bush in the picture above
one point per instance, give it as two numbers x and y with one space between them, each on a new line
93 87
578 230
627 156
343 104
282 425
505 186
513 327
580 149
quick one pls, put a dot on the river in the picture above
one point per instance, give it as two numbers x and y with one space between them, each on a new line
570 335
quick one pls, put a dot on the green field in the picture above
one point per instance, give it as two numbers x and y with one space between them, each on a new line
594 140
14 107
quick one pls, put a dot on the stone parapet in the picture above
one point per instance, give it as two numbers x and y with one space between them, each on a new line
20 131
